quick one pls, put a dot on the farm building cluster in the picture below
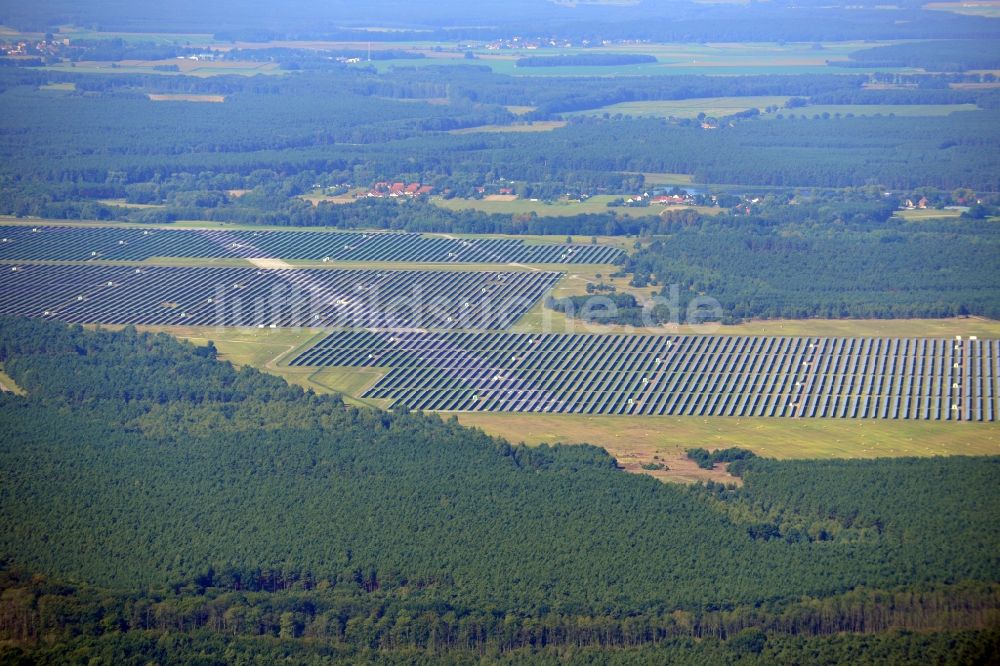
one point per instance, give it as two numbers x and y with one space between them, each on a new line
383 190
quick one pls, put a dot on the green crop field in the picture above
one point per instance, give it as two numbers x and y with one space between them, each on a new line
595 204
672 59
917 214
687 108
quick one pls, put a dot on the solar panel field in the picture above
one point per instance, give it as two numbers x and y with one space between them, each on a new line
23 243
198 296
884 378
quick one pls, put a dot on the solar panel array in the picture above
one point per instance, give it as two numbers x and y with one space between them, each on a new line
23 243
890 378
271 297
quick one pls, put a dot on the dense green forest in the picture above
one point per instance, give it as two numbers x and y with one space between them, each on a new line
662 21
177 503
825 264
948 55
280 136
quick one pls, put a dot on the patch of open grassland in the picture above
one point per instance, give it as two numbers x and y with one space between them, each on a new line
634 440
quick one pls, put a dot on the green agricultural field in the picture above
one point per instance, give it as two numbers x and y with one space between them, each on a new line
687 108
672 59
918 214
595 204
680 179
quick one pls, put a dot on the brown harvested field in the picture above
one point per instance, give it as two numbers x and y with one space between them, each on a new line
180 97
500 197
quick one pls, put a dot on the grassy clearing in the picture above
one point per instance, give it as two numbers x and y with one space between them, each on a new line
270 350
260 348
350 383
536 126
686 108
637 439
315 198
